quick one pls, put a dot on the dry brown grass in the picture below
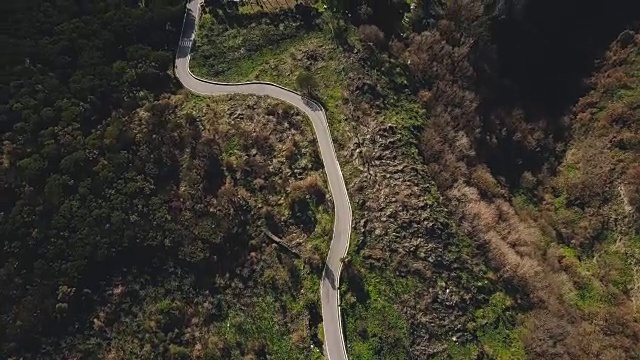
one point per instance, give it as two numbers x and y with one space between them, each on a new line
577 313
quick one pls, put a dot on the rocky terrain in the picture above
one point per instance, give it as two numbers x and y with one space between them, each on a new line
403 228
405 248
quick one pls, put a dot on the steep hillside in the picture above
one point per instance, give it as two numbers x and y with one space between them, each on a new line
404 242
490 150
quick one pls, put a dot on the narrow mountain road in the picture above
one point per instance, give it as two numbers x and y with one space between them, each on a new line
329 294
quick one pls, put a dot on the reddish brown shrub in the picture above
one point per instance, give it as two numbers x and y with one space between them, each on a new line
371 34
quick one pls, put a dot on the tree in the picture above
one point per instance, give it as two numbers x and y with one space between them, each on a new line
306 82
372 35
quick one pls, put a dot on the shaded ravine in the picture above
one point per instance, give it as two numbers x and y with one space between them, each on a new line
329 289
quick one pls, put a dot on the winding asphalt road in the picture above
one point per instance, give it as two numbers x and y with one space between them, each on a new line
330 297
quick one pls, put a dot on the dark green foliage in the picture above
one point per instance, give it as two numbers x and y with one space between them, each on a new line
80 195
306 82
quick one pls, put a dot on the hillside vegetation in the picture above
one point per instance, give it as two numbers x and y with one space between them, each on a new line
133 223
490 151
404 240
541 171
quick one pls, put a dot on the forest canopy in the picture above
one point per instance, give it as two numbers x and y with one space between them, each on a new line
79 199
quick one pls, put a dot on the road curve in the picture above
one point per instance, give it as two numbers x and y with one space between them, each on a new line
329 294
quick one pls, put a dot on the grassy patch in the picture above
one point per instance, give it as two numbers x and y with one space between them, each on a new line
496 335
589 295
223 52
605 277
501 343
571 169
231 147
263 326
320 240
495 329
405 113
456 351
313 51
375 328
274 52
523 203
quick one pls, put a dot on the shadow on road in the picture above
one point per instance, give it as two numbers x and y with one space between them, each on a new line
330 276
188 30
312 103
